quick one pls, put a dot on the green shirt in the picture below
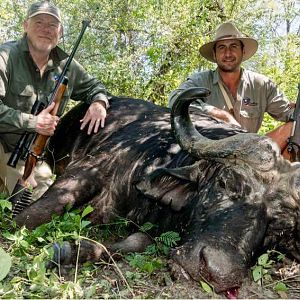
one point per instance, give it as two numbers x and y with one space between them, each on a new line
21 85
256 95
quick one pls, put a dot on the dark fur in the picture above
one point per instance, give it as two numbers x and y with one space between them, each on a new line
225 212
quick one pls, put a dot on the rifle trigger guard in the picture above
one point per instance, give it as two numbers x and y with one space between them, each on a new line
36 156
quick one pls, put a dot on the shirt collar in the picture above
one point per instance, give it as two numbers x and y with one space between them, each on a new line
216 76
244 77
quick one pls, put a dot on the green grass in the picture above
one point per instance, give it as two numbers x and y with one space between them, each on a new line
26 254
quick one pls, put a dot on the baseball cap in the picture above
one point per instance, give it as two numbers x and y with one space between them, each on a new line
43 7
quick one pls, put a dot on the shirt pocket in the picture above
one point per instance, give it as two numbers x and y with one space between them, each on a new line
250 112
23 96
250 118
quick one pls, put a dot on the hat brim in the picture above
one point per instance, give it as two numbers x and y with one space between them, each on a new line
44 12
250 48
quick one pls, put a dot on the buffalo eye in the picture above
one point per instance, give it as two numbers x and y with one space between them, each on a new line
234 184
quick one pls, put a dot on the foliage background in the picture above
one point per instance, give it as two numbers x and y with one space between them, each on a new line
143 49
146 48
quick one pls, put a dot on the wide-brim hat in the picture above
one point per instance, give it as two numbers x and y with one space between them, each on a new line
228 31
43 7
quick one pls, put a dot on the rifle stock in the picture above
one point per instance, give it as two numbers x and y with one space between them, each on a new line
40 141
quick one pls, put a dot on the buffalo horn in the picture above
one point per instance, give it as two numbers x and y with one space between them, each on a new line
248 147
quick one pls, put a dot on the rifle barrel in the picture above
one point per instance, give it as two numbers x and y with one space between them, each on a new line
60 80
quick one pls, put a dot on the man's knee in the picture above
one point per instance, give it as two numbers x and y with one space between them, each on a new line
43 177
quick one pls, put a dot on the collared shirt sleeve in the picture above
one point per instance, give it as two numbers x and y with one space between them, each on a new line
258 95
11 120
278 106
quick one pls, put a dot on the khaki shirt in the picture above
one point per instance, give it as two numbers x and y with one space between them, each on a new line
256 95
21 85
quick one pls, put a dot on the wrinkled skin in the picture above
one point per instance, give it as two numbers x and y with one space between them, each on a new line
228 200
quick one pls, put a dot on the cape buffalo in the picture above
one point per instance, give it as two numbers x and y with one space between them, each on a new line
228 193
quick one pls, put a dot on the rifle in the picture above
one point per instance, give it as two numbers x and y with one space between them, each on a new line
293 146
22 193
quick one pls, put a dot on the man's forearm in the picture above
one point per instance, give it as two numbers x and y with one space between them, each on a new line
281 134
224 116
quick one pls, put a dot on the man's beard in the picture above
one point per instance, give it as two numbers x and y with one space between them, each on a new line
38 46
228 69
233 67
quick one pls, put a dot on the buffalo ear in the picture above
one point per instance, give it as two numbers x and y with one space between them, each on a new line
173 187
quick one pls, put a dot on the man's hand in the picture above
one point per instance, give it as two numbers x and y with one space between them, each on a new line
46 123
95 116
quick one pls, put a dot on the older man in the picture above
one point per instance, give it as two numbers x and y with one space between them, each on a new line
238 96
29 68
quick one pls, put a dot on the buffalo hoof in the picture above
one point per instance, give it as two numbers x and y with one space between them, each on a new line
71 253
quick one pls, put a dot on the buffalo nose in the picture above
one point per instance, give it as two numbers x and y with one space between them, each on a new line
215 261
224 269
